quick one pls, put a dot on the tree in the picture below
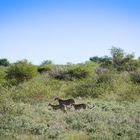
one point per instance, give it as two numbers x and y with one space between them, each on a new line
122 61
4 62
96 59
103 61
106 62
117 57
119 60
46 62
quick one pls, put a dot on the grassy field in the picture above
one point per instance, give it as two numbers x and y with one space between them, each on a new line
108 120
25 114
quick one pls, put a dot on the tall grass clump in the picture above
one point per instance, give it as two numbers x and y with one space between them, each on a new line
6 103
2 75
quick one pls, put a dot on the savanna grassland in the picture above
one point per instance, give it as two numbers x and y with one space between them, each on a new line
111 84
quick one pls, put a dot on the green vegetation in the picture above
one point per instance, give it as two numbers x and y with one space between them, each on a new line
71 73
2 75
135 76
21 71
111 84
4 62
119 60
46 63
42 69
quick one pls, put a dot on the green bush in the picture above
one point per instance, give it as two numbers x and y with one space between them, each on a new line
78 72
106 86
135 76
58 72
86 88
95 86
21 71
42 69
70 73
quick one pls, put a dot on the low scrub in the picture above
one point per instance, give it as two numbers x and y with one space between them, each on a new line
108 120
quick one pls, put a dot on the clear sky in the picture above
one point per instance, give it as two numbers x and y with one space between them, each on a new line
67 30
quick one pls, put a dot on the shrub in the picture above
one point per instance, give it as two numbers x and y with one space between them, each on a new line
20 72
70 73
86 88
42 69
46 62
78 72
135 76
57 72
106 86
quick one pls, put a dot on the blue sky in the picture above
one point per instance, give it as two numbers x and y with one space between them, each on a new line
67 30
